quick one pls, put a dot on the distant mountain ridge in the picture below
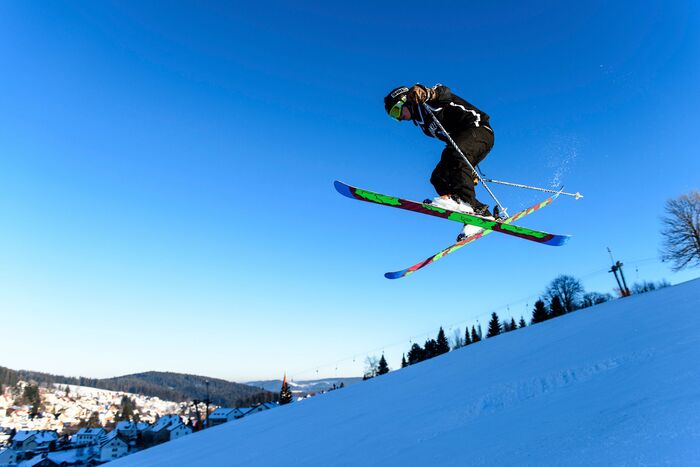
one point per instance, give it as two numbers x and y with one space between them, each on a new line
176 387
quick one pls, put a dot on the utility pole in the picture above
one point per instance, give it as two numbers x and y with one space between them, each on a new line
206 418
196 410
617 266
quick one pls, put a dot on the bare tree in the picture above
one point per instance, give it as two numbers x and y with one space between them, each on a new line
594 298
457 339
681 231
371 367
568 289
642 287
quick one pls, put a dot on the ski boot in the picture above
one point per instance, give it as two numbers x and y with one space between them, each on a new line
481 210
451 203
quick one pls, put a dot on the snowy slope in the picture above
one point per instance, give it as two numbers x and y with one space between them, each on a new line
615 384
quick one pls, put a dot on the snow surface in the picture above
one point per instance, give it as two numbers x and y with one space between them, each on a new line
615 384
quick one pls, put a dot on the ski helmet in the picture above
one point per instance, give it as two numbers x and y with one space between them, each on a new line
393 97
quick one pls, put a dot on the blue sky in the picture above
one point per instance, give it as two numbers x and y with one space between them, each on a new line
166 173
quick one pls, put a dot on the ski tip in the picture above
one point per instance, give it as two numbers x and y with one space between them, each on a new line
395 274
343 189
558 240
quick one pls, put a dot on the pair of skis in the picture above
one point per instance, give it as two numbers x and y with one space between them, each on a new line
487 226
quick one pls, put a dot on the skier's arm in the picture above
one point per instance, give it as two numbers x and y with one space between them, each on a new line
456 109
442 94
419 94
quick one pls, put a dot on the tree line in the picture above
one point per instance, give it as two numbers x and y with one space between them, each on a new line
565 294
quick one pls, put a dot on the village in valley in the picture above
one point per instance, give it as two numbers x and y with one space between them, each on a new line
68 425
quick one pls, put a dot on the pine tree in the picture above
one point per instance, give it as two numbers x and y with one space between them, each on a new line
404 363
513 326
430 348
494 326
556 308
522 322
285 393
539 313
416 354
505 326
442 345
467 339
383 368
475 336
126 412
92 422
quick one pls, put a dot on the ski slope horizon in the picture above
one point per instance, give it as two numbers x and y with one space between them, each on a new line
613 384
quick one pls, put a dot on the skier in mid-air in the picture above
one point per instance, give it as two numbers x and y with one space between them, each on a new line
468 137
468 127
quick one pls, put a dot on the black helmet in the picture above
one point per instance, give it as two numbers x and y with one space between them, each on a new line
393 97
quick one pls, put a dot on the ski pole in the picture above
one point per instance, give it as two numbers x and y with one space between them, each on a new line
576 195
459 151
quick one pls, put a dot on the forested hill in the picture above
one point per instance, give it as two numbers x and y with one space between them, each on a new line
169 386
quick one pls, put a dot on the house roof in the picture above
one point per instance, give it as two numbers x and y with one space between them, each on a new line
165 421
177 425
222 412
32 462
70 456
111 436
91 431
124 426
42 436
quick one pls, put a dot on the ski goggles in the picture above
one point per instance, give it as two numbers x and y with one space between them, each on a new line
395 111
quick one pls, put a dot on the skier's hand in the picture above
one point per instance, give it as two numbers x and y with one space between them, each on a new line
419 94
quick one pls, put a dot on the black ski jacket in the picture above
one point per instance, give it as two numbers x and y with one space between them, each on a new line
455 114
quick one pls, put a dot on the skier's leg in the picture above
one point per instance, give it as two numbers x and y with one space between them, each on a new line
475 144
440 178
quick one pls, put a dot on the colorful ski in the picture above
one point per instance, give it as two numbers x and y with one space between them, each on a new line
423 208
469 239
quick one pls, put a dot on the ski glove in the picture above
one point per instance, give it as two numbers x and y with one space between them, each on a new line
419 94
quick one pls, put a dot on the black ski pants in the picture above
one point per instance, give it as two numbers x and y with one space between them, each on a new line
452 176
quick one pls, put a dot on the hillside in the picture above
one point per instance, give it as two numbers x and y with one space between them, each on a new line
614 384
176 387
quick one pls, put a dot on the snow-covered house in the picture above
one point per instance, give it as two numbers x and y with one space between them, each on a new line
88 436
69 457
113 447
223 415
167 428
34 440
262 407
129 431
40 460
7 457
178 431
